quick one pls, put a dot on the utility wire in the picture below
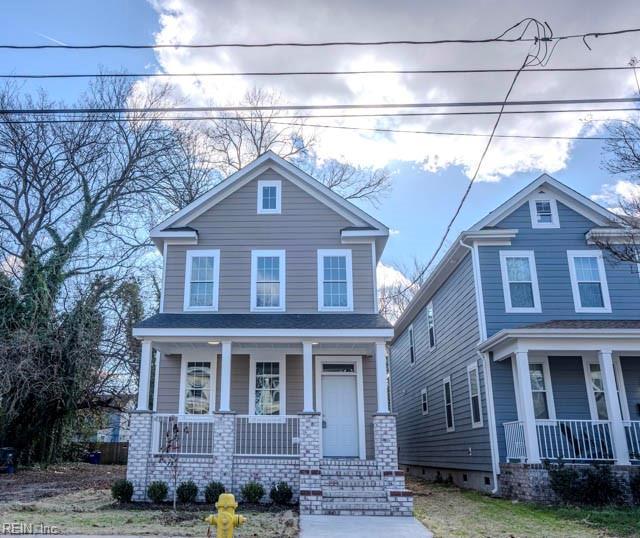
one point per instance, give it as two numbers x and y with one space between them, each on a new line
502 38
312 73
256 108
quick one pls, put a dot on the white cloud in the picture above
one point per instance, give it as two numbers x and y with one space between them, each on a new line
613 194
200 21
393 231
389 276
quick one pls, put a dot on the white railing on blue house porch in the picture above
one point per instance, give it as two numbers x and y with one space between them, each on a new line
267 435
632 431
569 440
182 434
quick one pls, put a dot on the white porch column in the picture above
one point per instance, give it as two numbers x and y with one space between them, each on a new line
381 377
619 438
307 360
225 377
528 417
145 376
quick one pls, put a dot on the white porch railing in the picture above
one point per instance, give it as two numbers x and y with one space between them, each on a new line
632 431
571 440
514 436
182 434
267 435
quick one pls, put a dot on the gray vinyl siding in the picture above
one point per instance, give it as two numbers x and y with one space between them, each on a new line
550 247
569 388
304 226
423 440
631 374
169 384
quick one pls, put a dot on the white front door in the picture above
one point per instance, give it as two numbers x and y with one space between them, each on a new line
339 415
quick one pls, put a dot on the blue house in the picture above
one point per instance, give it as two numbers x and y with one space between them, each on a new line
522 347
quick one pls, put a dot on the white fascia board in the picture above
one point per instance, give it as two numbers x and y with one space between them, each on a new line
618 236
174 237
264 333
493 237
566 195
352 213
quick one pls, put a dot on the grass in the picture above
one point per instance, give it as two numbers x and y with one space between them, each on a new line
450 511
93 512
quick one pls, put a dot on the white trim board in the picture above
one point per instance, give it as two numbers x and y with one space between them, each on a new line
622 393
506 288
346 253
473 367
189 357
604 286
190 254
280 358
269 183
282 275
357 360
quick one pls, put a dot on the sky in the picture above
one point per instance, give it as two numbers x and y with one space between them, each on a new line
429 172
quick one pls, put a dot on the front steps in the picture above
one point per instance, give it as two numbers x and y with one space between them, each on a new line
357 488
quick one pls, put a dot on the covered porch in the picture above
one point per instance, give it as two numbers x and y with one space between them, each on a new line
567 391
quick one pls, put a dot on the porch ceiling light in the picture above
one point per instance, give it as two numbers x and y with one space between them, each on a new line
213 343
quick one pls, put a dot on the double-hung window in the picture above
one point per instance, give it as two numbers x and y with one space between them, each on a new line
269 197
197 388
201 280
541 390
268 280
588 281
448 404
335 281
412 350
595 390
520 281
474 395
431 326
267 379
544 212
424 401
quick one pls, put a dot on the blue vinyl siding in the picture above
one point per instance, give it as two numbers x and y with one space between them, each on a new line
631 374
550 247
504 400
569 388
423 440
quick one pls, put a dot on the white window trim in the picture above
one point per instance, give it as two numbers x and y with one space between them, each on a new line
617 369
270 183
555 220
537 305
255 254
546 372
424 397
215 253
435 338
183 383
473 367
571 255
411 335
444 395
349 268
283 383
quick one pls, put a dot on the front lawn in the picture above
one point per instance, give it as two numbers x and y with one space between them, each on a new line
451 511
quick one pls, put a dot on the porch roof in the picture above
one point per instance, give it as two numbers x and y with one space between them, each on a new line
623 335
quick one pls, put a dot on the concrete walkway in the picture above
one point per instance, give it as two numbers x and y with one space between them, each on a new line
361 526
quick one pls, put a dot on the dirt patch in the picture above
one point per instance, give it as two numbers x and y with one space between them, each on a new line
29 484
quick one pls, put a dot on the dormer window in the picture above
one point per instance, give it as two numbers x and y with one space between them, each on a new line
269 197
544 212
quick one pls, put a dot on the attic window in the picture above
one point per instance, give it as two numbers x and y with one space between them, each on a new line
269 197
544 212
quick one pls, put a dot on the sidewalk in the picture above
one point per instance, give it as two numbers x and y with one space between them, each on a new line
361 526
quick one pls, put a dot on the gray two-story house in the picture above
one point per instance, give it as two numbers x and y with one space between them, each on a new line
268 350
522 346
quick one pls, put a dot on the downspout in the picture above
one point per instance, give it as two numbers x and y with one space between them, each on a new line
486 366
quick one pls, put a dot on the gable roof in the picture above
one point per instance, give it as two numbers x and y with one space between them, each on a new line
569 197
484 230
269 160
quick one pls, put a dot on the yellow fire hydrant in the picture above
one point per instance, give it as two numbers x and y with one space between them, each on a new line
226 519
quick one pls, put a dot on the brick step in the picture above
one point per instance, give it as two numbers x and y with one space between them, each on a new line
350 472
347 463
354 494
336 512
340 482
365 507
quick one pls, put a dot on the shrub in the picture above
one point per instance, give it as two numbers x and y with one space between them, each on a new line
187 492
281 493
157 491
122 491
594 486
634 486
252 492
213 491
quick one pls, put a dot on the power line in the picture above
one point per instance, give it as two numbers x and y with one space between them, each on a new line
256 108
312 73
502 38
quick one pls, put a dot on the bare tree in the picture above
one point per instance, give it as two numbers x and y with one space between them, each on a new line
394 298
